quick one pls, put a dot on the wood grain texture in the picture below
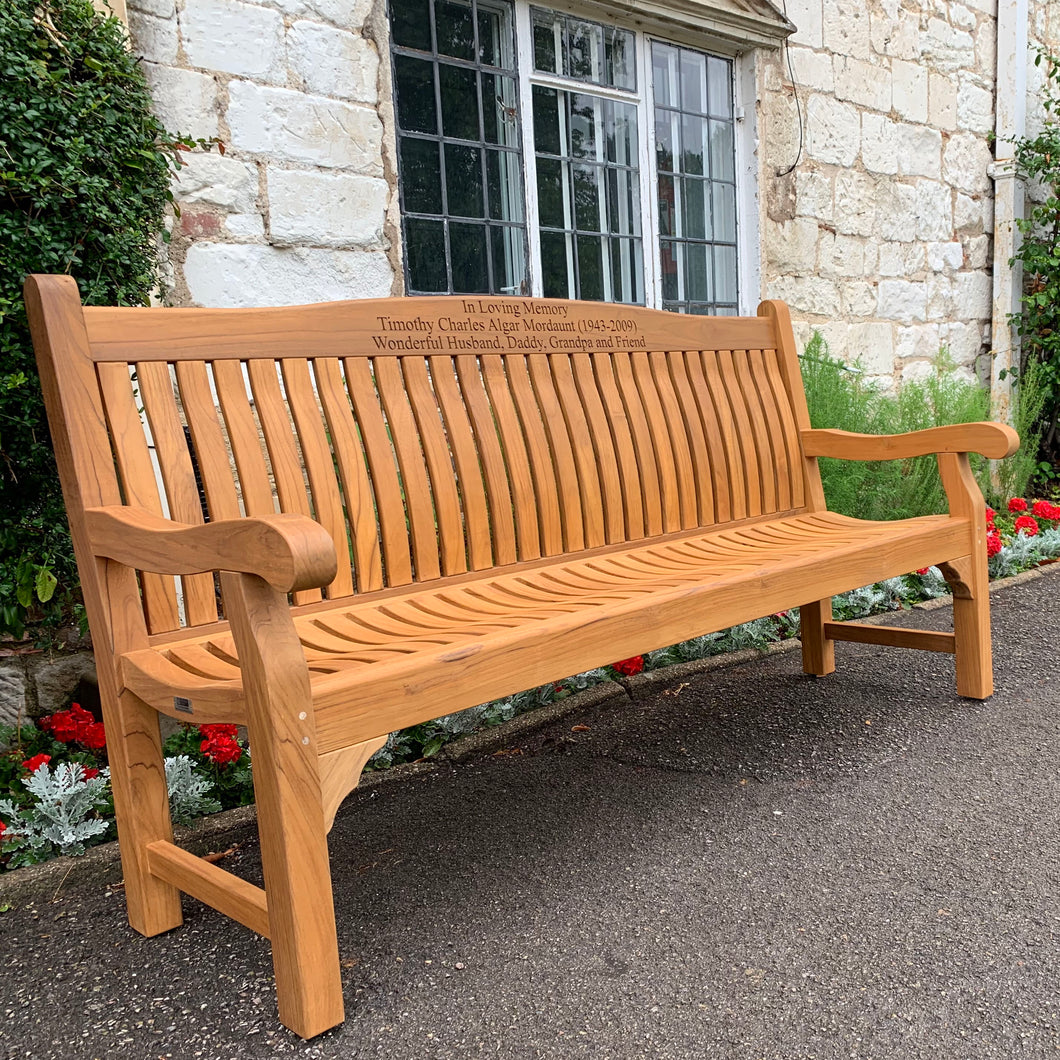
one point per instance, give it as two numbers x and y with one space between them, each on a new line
994 440
891 636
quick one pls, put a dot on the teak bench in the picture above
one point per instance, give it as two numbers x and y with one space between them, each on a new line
417 505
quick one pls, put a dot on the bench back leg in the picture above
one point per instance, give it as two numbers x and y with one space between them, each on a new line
291 826
818 651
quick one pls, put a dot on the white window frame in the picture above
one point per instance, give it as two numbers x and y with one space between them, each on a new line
745 142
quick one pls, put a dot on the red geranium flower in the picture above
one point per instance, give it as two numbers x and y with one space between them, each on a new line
90 772
991 515
221 750
3 829
1017 504
1045 510
1027 524
211 732
93 736
34 763
630 666
922 570
993 543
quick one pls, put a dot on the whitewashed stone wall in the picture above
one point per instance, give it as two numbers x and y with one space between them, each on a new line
881 237
296 208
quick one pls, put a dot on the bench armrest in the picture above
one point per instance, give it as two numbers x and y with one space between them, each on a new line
994 440
288 551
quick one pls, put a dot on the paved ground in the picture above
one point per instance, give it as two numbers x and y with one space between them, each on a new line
753 865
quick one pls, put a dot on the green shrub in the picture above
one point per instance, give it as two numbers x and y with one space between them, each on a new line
84 183
840 396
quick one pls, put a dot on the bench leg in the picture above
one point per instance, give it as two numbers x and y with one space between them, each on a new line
818 651
141 804
968 580
291 826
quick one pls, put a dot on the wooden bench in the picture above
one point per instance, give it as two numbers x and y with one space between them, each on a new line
417 505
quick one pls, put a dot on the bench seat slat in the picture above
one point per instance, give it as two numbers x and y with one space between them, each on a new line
361 641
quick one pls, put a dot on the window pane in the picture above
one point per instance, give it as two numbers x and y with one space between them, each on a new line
725 212
410 24
693 144
623 201
671 256
695 214
667 207
584 50
500 110
720 88
664 75
627 270
725 273
454 28
467 245
494 39
547 137
620 128
545 32
664 139
587 198
421 176
591 268
550 193
504 189
459 91
556 265
414 85
583 124
698 280
722 151
619 61
693 82
425 254
509 260
463 181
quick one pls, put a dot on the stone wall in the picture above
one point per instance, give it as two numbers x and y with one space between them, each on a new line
36 683
297 204
881 235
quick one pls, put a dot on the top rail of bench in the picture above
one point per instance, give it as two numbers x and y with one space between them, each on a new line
373 327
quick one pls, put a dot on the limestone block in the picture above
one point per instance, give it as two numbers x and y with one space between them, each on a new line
153 39
963 341
961 17
857 299
872 344
879 144
12 692
327 209
910 91
934 211
976 251
846 28
217 180
943 256
919 151
333 62
808 294
807 16
234 37
855 203
298 128
790 247
896 212
56 677
839 255
901 259
185 101
346 14
942 101
895 33
986 45
975 107
217 274
918 371
833 130
248 227
968 214
920 340
865 84
158 8
814 194
939 297
947 48
902 300
813 70
972 295
965 162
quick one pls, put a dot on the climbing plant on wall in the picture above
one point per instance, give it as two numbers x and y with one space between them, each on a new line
84 183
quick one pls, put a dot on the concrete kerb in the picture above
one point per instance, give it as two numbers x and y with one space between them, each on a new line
101 866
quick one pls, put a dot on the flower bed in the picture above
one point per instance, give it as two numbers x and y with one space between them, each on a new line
55 786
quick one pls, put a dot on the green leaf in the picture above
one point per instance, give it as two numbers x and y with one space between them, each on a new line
46 583
433 746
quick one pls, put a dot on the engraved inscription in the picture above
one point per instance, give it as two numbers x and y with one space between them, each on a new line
519 325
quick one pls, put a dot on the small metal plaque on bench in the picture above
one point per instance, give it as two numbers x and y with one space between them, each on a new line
182 704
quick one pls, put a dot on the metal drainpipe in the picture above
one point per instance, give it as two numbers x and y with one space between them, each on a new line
1010 124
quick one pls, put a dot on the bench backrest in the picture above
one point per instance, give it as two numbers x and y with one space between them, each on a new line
430 436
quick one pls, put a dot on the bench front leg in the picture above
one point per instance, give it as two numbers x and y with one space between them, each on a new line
818 651
287 791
